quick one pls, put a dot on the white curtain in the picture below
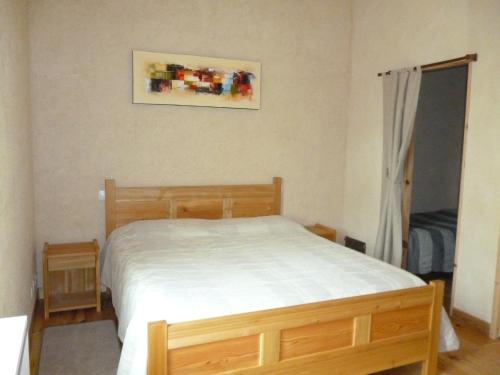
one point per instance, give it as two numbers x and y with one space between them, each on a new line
401 90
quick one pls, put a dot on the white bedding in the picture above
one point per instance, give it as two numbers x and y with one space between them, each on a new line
181 270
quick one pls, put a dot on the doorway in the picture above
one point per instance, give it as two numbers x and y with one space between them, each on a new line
433 170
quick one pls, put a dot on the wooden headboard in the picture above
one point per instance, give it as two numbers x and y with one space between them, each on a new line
127 204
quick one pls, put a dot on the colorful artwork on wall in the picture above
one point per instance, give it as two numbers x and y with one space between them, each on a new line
161 78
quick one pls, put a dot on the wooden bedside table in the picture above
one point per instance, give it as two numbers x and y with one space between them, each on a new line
71 277
323 231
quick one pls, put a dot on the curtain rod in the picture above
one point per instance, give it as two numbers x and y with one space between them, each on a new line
459 61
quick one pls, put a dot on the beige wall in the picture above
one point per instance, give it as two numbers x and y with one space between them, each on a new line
16 181
86 129
391 34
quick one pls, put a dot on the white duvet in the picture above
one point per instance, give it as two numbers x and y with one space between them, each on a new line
188 269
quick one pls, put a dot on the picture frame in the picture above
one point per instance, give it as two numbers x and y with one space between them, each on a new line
163 78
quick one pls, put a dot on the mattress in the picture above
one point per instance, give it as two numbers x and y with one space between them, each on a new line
431 242
189 269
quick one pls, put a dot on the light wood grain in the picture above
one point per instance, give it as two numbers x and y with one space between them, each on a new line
71 261
196 208
477 355
252 207
362 330
269 347
326 337
203 331
323 231
128 204
398 322
71 280
332 337
429 367
313 338
157 339
130 211
214 358
71 276
72 301
363 359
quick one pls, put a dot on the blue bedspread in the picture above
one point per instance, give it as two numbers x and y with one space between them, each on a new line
431 245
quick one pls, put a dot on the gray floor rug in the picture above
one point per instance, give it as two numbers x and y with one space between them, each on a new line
80 349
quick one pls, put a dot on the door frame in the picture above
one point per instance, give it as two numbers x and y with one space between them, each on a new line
495 314
408 184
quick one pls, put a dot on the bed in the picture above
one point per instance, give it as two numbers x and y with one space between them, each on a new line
431 245
254 292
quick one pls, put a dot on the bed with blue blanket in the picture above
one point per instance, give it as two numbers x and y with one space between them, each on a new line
431 243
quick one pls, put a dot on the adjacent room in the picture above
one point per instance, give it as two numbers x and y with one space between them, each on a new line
435 155
233 186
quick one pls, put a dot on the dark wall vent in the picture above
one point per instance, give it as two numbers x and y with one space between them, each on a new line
354 244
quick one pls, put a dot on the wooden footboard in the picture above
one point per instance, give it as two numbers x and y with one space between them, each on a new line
358 335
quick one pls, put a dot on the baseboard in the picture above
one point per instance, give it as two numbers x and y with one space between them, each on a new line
461 317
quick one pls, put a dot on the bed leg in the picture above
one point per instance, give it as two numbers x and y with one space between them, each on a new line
429 366
157 348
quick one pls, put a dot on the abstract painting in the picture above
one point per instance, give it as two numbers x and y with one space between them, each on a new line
161 78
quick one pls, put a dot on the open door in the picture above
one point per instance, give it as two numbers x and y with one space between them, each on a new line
432 179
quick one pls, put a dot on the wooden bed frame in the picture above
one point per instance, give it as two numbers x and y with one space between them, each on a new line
356 335
127 204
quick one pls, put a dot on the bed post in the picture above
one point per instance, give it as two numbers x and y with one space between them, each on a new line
157 348
110 194
429 366
277 195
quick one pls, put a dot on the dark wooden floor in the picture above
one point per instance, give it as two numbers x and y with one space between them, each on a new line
478 355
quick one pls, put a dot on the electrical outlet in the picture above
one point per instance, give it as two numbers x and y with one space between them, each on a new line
102 195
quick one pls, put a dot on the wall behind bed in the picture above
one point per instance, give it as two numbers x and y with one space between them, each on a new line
86 129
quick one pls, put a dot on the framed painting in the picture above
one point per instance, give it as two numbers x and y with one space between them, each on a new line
162 78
